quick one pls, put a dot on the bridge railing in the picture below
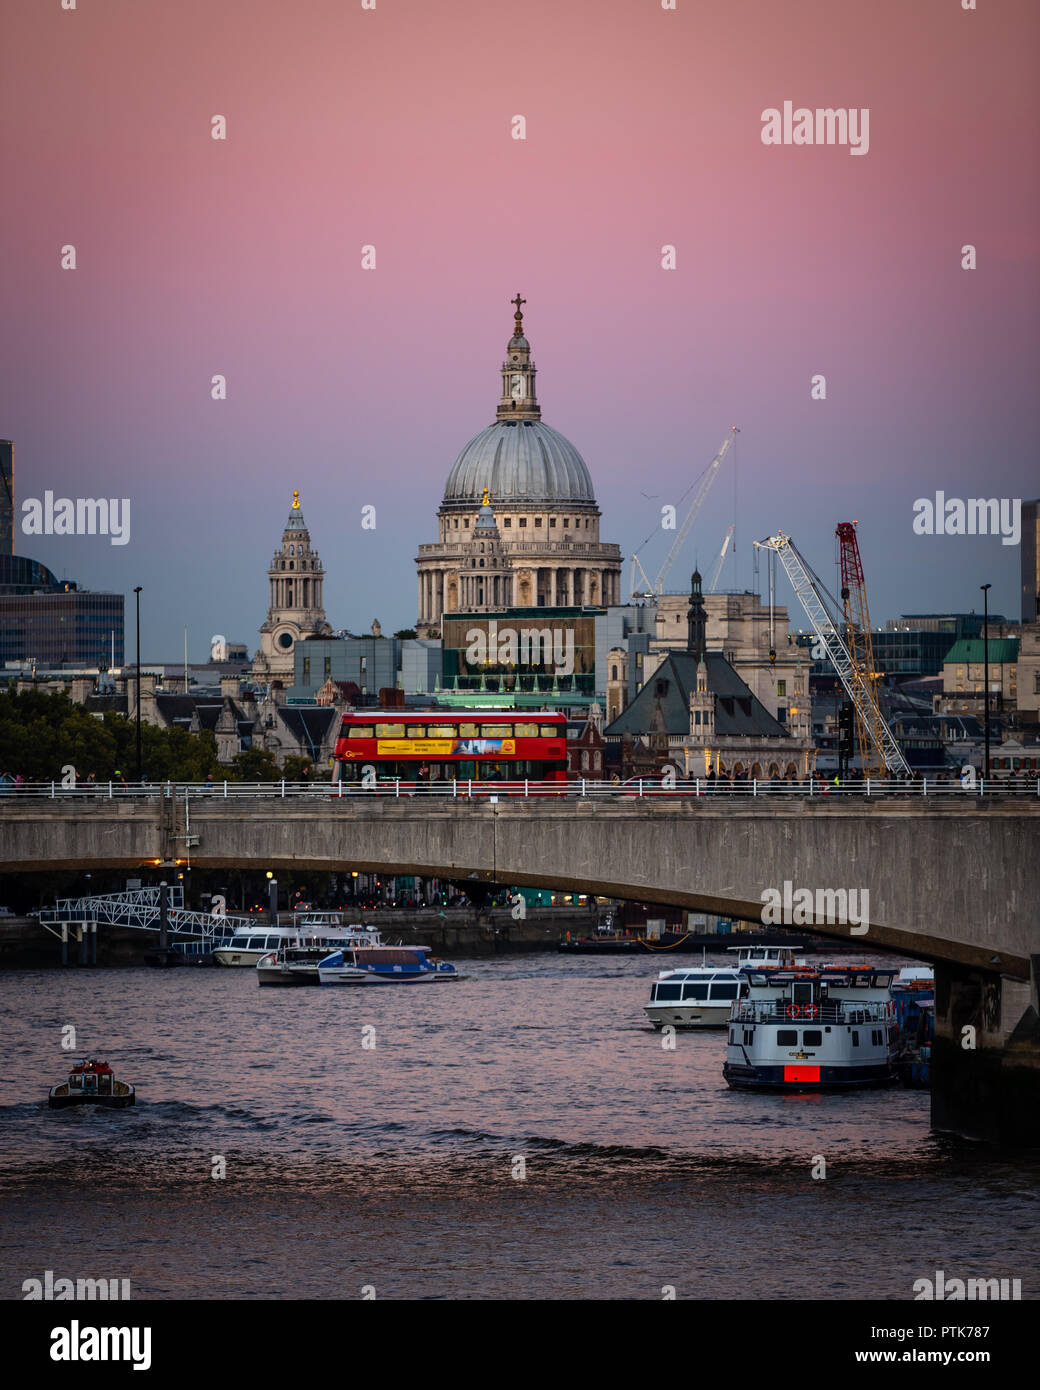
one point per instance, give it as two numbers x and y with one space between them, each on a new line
815 788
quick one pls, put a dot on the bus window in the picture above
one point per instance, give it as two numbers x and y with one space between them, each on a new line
416 730
361 731
464 771
468 731
442 731
389 731
527 731
496 731
550 731
348 772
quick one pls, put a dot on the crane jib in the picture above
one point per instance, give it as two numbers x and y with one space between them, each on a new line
854 667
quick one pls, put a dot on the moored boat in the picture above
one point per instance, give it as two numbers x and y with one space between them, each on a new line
91 1082
247 946
814 1028
913 994
702 996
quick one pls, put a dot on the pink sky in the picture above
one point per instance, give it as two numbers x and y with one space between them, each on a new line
392 127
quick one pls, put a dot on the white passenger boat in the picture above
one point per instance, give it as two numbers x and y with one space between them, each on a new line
701 996
249 944
311 921
698 997
814 1028
296 960
383 965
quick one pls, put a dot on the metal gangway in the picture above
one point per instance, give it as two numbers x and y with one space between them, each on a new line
78 919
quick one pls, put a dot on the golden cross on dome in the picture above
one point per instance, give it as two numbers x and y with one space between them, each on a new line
296 498
518 301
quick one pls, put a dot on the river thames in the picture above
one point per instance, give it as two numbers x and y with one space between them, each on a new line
521 1133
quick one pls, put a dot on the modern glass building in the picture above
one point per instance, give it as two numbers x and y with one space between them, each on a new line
914 645
53 622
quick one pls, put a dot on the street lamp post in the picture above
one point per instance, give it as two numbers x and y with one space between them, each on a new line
137 593
985 672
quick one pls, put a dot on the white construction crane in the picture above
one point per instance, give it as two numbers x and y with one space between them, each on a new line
707 478
809 590
717 571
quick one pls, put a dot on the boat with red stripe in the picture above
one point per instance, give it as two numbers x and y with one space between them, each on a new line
814 1028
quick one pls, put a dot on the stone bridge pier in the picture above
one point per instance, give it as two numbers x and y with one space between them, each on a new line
986 1056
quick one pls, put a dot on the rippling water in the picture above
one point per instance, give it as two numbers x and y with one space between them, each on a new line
394 1165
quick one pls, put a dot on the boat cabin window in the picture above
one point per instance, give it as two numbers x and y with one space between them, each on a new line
696 991
855 1038
786 1037
812 1037
802 992
668 991
256 943
723 991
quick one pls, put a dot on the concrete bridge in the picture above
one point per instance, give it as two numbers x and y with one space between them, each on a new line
954 881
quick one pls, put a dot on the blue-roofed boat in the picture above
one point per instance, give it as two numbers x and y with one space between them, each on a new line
384 965
913 994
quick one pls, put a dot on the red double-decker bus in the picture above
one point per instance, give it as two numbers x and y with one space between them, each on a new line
472 745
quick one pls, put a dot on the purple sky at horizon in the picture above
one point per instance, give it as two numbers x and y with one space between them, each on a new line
392 127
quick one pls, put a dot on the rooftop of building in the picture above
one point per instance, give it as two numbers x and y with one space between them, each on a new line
972 649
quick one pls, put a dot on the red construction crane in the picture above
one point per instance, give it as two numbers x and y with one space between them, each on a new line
870 725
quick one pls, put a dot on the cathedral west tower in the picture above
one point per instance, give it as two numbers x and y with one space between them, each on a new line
295 609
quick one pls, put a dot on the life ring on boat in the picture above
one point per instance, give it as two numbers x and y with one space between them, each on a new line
794 1011
811 1011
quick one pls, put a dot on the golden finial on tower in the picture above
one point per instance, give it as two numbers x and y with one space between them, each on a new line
486 500
518 316
296 499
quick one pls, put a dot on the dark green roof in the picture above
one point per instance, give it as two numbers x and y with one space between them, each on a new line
970 649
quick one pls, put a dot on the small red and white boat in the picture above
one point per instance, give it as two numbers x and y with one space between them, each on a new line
91 1082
